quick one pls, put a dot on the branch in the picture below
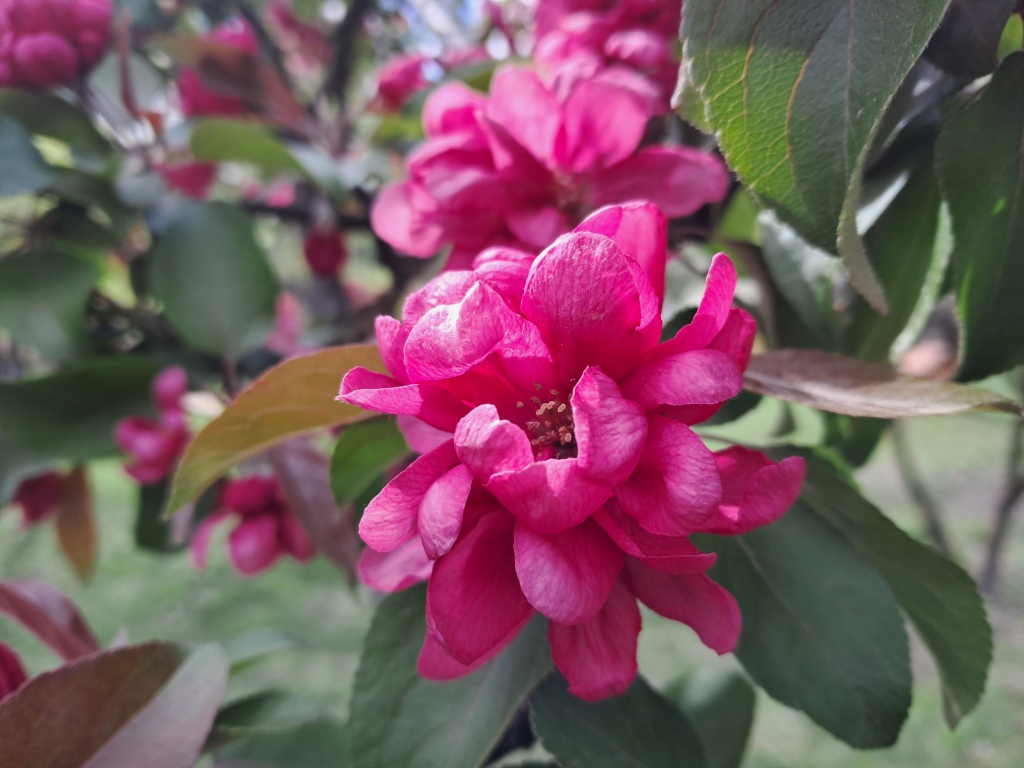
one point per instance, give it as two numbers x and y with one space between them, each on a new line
988 575
926 505
343 47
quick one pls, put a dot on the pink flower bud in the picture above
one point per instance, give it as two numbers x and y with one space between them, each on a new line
12 673
325 252
198 99
398 80
39 497
169 387
190 179
45 43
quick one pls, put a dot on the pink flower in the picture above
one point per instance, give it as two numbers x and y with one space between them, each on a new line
578 38
397 81
265 527
325 252
197 99
155 444
12 673
522 166
289 325
303 40
561 474
192 179
45 43
39 498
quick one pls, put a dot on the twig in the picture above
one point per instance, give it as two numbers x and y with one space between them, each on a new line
989 573
926 505
343 50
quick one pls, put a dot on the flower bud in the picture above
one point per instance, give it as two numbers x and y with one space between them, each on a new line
39 497
325 252
12 673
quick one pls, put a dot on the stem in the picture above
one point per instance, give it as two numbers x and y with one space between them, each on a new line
989 574
343 46
229 377
926 505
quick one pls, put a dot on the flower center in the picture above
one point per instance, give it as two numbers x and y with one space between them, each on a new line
568 194
551 429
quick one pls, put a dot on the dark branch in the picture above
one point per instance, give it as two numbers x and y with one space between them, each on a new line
343 47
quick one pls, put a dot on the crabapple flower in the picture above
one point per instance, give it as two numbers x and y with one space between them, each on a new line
578 38
154 445
560 473
39 498
325 251
192 179
265 527
45 43
523 165
12 673
197 99
400 78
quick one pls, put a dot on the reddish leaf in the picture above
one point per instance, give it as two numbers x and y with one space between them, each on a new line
856 388
305 474
49 615
112 708
291 399
76 524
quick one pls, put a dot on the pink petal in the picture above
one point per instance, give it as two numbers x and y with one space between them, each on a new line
489 445
521 103
598 658
391 338
395 220
679 180
377 392
610 430
713 310
474 602
440 516
640 230
452 107
200 546
694 600
421 437
395 570
568 576
589 305
675 487
602 125
671 554
697 377
538 225
253 546
755 491
294 539
435 663
550 495
505 270
390 519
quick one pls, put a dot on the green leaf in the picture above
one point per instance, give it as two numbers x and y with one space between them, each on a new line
42 301
71 414
639 729
938 597
265 711
213 278
44 114
981 167
401 720
291 399
230 140
966 42
152 532
794 91
857 388
821 630
720 705
17 464
24 168
364 451
246 650
910 245
320 744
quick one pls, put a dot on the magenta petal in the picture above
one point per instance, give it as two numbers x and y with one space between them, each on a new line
698 377
520 103
755 491
589 305
603 123
679 180
376 392
441 511
421 437
610 430
396 570
200 546
390 519
452 107
435 663
694 600
598 658
567 577
505 270
253 546
447 288
671 554
488 445
550 495
640 230
395 220
474 602
294 539
712 312
675 487
391 338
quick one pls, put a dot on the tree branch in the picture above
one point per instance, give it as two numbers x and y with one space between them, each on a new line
926 505
343 48
989 574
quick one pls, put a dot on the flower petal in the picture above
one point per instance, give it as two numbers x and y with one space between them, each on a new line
598 657
602 125
391 338
567 577
550 495
395 570
712 312
474 602
671 554
253 546
376 392
421 437
435 663
675 487
452 107
200 545
440 517
610 430
697 377
755 491
694 600
390 519
447 288
488 445
522 104
505 270
294 539
396 220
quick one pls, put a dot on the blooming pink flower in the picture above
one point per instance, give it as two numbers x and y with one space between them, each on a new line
155 444
45 43
561 474
325 252
522 166
266 528
39 497
578 38
305 41
12 673
397 81
197 99
192 179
